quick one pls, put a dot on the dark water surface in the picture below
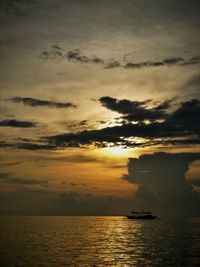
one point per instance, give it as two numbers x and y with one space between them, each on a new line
98 241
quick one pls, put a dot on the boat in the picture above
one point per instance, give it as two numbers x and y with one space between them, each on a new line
141 215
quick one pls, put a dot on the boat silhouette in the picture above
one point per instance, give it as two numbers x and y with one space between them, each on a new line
141 215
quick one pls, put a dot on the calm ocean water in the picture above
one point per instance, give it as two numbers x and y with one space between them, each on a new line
98 241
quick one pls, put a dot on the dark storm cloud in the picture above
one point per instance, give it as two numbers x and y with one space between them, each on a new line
17 124
182 124
84 138
7 178
162 183
186 117
179 127
135 110
33 102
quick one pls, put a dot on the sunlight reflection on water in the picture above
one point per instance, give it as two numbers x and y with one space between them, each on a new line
98 241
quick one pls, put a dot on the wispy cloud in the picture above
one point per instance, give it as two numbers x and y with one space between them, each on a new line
165 62
76 55
33 146
113 64
171 61
17 124
34 102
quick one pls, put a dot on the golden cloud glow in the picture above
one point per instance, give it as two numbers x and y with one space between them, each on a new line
115 151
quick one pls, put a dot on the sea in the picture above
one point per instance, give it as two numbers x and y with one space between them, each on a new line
58 241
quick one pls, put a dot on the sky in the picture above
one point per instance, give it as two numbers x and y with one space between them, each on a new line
100 106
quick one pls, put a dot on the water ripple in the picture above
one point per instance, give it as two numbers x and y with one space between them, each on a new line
98 241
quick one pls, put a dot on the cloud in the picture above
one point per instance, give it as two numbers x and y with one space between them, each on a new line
135 110
186 117
113 64
54 53
17 124
80 139
159 125
5 144
72 125
175 142
171 61
29 200
162 183
165 62
57 53
192 61
56 46
74 203
7 178
76 55
76 125
33 102
33 146
181 124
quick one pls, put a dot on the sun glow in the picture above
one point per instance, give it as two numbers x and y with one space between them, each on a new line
116 151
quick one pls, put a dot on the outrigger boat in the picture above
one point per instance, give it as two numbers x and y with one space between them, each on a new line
141 215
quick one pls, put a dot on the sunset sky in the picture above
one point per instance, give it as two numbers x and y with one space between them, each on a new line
100 106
